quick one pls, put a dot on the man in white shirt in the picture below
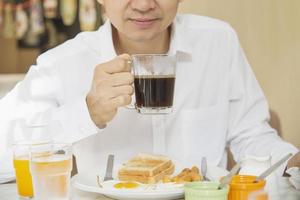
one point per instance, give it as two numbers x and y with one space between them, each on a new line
86 83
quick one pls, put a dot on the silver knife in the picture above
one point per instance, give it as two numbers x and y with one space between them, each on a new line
109 168
226 180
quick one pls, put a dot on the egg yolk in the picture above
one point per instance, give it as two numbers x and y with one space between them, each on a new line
126 185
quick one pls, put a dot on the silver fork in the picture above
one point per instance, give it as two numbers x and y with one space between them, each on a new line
109 168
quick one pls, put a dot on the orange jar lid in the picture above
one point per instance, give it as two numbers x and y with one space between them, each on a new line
246 182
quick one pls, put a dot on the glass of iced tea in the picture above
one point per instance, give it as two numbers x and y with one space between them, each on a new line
21 165
154 81
50 167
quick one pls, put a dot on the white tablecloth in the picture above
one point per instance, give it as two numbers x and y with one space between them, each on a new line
9 192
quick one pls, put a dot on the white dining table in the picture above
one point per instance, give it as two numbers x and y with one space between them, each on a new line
9 192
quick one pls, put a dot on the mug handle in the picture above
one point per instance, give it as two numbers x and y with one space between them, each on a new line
132 104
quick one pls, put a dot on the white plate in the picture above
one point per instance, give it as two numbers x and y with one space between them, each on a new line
161 191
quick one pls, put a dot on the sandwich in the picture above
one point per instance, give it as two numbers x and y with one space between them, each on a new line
146 168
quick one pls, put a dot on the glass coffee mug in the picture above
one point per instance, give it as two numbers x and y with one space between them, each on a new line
154 81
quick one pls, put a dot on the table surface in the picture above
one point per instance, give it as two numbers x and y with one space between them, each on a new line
9 192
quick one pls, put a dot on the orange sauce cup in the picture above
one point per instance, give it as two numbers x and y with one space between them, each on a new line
242 186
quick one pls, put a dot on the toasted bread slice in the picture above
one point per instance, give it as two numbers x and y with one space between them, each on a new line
148 179
145 165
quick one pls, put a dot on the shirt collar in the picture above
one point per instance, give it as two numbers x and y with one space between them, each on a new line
107 48
178 43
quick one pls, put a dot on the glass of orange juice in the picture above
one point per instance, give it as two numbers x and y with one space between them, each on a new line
50 167
21 165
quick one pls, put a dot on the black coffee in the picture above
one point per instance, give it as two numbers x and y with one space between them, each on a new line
154 91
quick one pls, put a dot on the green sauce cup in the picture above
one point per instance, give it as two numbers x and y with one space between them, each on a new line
204 191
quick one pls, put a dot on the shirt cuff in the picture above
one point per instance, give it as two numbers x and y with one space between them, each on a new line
294 179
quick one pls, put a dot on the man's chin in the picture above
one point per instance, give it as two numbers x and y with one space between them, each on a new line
142 37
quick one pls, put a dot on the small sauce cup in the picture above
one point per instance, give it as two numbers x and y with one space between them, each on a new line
242 186
205 191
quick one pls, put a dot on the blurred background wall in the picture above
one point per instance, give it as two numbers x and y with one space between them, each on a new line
269 31
13 59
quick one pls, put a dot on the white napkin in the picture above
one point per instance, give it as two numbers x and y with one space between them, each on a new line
6 180
7 177
294 178
7 172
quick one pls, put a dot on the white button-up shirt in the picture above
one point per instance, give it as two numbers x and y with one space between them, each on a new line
217 103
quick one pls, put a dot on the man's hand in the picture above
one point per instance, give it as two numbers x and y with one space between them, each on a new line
111 89
294 161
